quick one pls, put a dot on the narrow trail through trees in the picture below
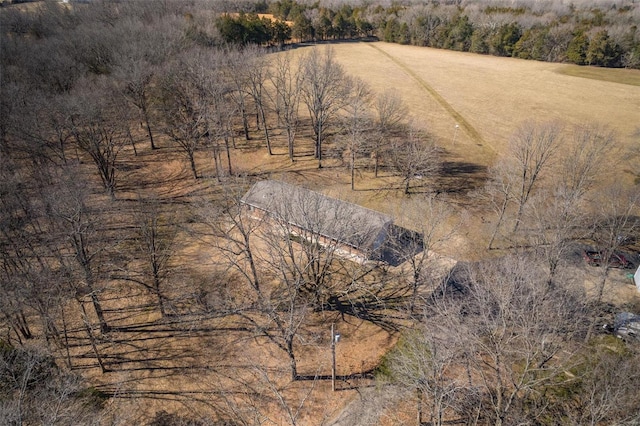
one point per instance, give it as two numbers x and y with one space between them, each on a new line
464 124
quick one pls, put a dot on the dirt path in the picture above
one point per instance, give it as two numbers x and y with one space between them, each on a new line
356 410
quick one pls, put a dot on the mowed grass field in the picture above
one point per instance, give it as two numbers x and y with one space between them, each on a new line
489 97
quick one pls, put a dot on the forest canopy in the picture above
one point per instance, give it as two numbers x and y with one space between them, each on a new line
601 34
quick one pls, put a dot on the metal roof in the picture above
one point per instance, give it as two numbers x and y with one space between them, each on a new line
310 211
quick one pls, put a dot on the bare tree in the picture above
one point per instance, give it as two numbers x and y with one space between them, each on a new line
586 159
75 225
36 391
136 77
420 364
514 328
41 127
499 190
558 213
356 122
320 232
556 220
145 46
324 89
155 234
607 383
390 112
415 158
99 129
184 107
287 82
531 150
429 217
285 257
237 65
220 119
258 73
23 262
514 178
236 236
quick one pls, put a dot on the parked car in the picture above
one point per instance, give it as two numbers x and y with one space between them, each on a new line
595 258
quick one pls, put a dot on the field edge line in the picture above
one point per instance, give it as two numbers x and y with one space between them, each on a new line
466 126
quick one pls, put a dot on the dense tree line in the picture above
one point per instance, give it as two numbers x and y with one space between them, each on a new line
94 93
602 34
251 29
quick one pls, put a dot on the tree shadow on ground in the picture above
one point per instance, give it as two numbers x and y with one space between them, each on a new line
459 177
352 381
376 309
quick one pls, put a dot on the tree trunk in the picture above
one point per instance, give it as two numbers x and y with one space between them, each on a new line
104 327
156 286
145 116
375 164
133 142
601 285
148 126
24 325
353 169
66 338
192 162
290 144
245 120
495 230
518 217
319 146
92 339
419 401
266 131
226 145
216 162
292 360
85 263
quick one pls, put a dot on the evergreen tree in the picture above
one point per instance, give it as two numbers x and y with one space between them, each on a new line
603 51
577 49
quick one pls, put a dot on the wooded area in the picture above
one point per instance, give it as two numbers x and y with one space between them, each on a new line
584 33
135 288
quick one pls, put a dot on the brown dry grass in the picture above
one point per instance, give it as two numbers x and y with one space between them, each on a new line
186 368
490 97
494 95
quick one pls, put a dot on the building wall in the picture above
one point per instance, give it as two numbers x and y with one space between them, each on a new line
343 250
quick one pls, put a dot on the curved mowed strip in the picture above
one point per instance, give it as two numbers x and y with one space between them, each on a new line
466 126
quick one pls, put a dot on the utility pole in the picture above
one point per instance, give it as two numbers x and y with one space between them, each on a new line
335 337
455 133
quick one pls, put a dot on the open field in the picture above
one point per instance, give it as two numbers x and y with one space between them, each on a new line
494 95
613 75
488 98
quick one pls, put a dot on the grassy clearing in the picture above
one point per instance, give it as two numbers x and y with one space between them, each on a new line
494 95
473 133
621 76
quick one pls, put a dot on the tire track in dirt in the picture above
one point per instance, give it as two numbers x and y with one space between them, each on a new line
466 126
